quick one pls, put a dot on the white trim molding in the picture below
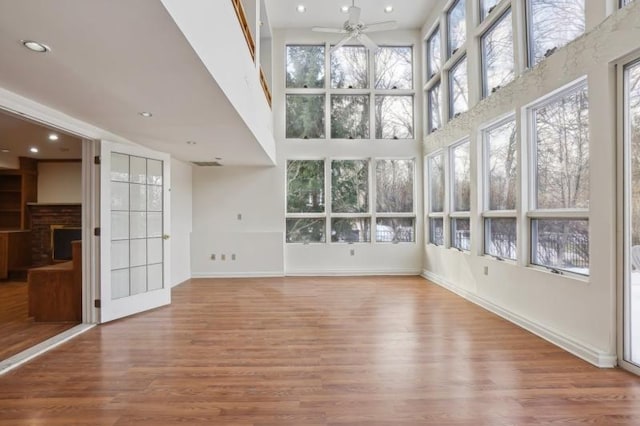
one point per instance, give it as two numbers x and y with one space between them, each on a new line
351 272
581 350
267 274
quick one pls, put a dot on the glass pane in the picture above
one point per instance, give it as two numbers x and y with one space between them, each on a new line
434 56
138 252
458 89
138 197
155 277
120 196
394 69
306 230
394 117
395 229
461 163
562 151
351 230
435 109
561 244
486 6
138 225
350 68
119 225
138 172
497 55
138 280
119 283
305 186
502 156
154 172
119 167
500 237
350 116
552 24
305 116
154 224
154 247
305 67
394 186
461 233
119 254
154 201
350 186
456 23
436 183
436 231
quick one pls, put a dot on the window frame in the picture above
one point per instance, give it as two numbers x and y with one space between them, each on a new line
450 51
430 124
454 214
498 15
454 67
429 201
393 215
311 215
429 67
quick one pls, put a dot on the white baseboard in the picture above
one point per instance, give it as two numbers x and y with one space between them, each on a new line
269 274
350 272
579 349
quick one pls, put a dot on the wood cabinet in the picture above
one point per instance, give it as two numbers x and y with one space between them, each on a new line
17 188
15 252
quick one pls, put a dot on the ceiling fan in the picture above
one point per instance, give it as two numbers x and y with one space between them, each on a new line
354 28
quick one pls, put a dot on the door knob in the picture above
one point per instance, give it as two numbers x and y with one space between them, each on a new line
166 237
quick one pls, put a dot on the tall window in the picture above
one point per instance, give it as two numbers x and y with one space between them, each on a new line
552 24
500 189
458 89
559 219
434 56
456 27
460 158
394 201
486 7
306 217
498 66
337 97
435 167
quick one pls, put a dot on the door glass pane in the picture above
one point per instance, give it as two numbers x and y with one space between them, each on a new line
136 189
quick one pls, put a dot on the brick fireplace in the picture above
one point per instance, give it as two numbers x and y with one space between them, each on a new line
43 218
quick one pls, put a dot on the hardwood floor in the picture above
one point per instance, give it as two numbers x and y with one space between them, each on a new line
17 331
315 351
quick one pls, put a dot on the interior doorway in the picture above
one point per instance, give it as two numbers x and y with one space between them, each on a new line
41 211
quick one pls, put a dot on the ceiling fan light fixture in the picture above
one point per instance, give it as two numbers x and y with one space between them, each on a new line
344 9
388 9
301 8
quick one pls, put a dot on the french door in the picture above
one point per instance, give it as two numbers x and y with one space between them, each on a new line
134 223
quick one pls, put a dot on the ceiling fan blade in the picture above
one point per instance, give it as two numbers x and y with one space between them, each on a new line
364 39
354 15
329 30
340 43
380 26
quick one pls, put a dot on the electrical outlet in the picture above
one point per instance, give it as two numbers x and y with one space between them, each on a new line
223 257
486 270
213 256
352 252
239 216
233 256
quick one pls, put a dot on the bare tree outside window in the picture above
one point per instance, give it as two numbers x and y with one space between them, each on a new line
394 186
562 151
350 116
502 166
394 117
349 186
305 186
305 117
435 109
350 68
498 64
394 68
305 66
302 230
553 24
486 7
500 237
457 26
461 171
458 89
434 54
436 183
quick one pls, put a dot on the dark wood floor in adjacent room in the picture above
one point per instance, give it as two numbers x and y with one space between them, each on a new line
315 351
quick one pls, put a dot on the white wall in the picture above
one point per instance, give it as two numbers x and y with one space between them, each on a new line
220 194
336 258
181 221
578 314
60 182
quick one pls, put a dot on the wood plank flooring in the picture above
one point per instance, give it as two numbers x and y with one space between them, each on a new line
315 351
18 332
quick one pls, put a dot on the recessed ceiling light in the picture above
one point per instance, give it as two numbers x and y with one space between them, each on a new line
4 150
388 9
191 142
344 9
218 158
35 46
53 137
146 114
301 8
34 149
